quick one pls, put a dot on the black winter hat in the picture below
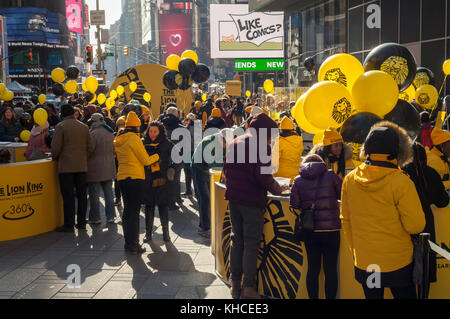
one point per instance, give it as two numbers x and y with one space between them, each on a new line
424 117
67 110
382 140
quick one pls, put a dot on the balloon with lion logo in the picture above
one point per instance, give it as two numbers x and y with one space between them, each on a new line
341 68
408 94
375 92
423 76
328 104
299 116
357 127
394 59
427 96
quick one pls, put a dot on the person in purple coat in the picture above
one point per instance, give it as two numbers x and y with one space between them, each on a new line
321 186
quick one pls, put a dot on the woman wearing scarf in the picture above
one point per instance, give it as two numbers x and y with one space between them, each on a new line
156 177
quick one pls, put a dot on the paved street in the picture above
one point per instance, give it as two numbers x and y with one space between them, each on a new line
184 269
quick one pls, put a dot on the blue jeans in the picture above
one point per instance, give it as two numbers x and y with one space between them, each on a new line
201 187
94 200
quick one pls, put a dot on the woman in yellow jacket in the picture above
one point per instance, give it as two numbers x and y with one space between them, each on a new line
132 157
437 156
380 209
287 152
334 152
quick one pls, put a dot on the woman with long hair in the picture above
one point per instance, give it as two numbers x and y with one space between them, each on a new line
156 178
10 127
334 152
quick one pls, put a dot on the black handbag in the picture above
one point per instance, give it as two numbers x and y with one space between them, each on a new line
304 223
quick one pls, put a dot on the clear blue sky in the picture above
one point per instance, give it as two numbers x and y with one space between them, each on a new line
113 10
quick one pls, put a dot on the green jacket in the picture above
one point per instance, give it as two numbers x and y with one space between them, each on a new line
205 157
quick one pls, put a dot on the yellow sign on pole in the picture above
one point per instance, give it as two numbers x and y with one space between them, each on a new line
233 88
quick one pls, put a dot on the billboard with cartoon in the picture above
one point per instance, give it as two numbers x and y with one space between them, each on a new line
236 33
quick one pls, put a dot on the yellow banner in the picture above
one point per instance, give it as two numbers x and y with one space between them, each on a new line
233 88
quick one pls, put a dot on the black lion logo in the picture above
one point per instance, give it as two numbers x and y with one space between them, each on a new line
397 67
342 110
336 75
423 99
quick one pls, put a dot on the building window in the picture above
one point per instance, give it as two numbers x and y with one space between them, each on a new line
409 21
355 30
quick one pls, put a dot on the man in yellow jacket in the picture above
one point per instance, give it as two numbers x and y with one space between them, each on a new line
380 209
132 158
287 152
437 156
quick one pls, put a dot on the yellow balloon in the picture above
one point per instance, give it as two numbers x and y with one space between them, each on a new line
93 100
42 98
101 98
318 138
408 94
133 86
113 94
172 62
120 90
83 86
8 96
293 111
58 75
204 97
191 55
110 103
40 116
341 68
427 96
446 67
248 93
2 89
25 135
268 86
375 92
300 118
92 84
147 97
71 87
328 104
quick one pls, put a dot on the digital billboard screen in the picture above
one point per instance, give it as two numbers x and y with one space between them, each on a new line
238 33
32 24
74 14
175 33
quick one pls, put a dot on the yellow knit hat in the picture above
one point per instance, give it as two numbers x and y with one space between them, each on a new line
216 112
287 124
145 110
197 104
132 120
121 120
332 136
439 136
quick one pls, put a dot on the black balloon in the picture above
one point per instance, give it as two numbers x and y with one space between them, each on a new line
88 96
201 74
73 72
136 108
187 67
309 64
394 59
357 127
186 83
35 99
26 121
58 89
423 76
406 116
169 80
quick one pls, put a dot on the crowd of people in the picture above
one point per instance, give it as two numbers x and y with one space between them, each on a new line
126 154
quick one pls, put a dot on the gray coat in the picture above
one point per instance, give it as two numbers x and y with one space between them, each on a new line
101 164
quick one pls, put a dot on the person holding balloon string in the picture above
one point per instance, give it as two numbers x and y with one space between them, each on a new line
334 152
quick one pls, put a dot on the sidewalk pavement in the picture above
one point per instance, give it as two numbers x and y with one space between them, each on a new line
36 267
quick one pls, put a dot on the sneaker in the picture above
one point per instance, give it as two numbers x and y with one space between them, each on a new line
63 229
94 221
80 226
136 251
111 221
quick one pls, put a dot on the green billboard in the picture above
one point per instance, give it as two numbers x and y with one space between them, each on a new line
259 65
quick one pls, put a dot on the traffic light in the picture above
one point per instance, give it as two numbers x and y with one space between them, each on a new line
126 51
30 56
89 55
